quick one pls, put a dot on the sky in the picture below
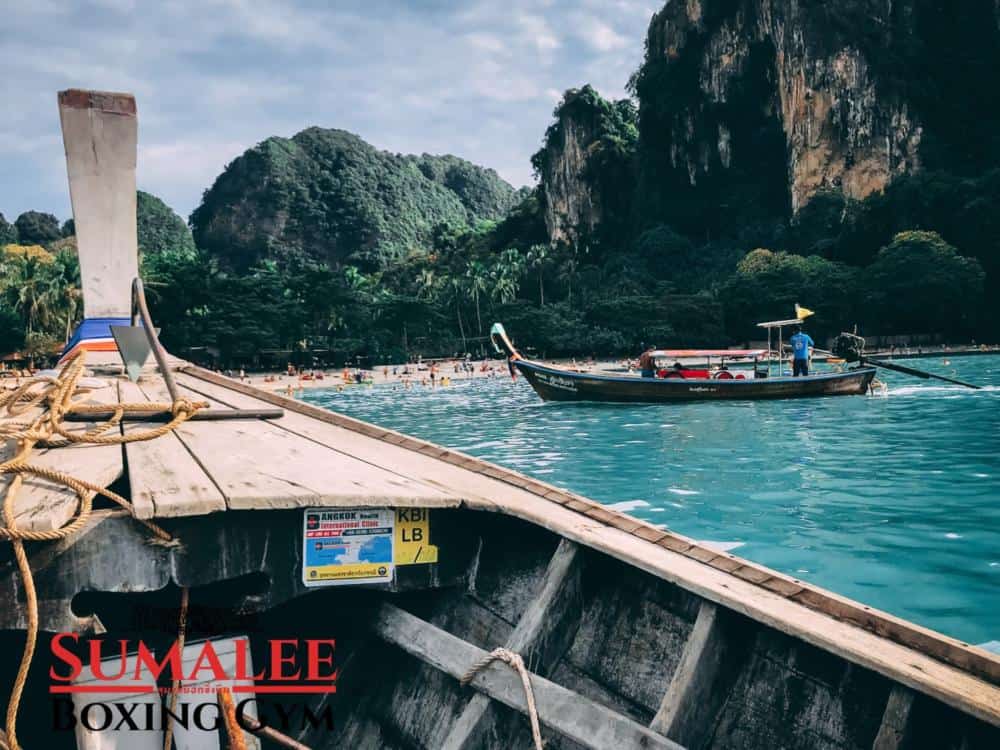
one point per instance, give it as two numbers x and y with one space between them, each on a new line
474 78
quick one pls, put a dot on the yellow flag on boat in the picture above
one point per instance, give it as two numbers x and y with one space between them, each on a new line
802 312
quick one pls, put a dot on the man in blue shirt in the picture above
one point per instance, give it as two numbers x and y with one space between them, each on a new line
802 347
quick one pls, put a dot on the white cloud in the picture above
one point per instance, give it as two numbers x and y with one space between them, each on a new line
213 77
598 34
538 31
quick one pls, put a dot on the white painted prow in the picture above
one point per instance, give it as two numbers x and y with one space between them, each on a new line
100 135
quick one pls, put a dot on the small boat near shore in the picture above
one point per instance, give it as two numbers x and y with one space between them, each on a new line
559 384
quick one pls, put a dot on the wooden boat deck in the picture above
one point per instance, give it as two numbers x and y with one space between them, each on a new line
312 457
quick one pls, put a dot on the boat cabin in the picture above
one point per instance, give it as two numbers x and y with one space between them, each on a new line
704 364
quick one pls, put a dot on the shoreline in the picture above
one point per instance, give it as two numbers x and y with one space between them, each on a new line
332 379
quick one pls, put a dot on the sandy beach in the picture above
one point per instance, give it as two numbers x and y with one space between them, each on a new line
444 373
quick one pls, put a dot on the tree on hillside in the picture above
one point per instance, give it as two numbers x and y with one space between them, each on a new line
537 259
159 228
37 228
767 285
919 283
477 278
505 276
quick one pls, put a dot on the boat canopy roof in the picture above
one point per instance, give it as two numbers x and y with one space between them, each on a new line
688 353
780 323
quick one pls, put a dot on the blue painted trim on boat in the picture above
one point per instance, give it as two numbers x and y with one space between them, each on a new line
94 328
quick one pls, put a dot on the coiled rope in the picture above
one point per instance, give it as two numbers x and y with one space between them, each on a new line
56 394
515 662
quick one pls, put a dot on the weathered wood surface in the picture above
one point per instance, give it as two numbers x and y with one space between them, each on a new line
256 464
383 454
165 479
43 505
892 733
587 723
541 637
694 693
100 136
751 590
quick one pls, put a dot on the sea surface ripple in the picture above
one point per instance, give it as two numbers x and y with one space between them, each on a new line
892 500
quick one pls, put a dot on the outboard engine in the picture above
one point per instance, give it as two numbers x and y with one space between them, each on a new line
849 346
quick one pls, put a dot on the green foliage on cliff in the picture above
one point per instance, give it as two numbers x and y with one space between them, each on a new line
919 281
612 127
767 285
327 195
159 228
483 193
603 135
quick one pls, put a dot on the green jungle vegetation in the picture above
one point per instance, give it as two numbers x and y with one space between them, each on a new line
323 245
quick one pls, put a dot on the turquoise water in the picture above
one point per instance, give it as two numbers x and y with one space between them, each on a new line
894 501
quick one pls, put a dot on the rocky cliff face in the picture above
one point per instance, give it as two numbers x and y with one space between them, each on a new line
585 166
844 125
572 204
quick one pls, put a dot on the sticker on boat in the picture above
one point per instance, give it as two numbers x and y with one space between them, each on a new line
412 538
347 545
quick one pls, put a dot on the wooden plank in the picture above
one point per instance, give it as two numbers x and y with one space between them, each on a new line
580 719
432 472
164 478
542 635
43 505
892 733
258 465
695 694
919 666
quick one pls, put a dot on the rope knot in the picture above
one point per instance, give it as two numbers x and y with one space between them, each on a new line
515 662
185 407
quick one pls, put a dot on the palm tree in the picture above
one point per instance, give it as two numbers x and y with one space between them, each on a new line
65 288
538 259
457 291
427 283
478 279
567 273
506 275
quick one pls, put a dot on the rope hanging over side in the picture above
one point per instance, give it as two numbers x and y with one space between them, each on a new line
46 430
176 684
515 662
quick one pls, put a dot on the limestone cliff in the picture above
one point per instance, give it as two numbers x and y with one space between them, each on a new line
585 166
810 64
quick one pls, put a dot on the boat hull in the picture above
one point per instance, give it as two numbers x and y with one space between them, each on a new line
554 384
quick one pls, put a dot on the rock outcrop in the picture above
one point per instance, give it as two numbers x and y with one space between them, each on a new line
585 164
328 196
811 66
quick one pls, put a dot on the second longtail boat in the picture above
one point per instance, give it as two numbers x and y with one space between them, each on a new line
677 383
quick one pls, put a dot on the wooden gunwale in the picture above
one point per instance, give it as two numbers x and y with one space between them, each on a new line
971 686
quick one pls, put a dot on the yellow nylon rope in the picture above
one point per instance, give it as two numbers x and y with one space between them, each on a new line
46 430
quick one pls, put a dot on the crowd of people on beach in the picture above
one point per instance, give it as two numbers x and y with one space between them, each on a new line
430 374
